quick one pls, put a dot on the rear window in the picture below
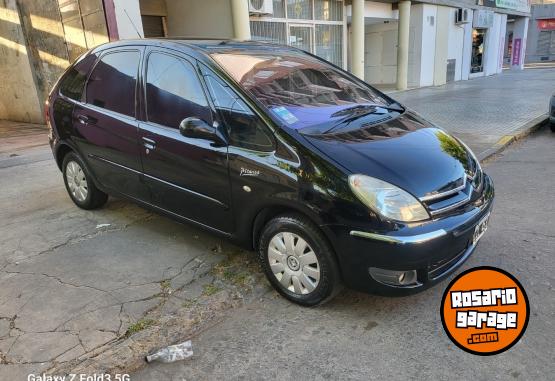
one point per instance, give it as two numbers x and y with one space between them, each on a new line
299 89
112 82
73 83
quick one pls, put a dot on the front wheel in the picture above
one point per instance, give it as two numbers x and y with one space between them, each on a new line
298 260
552 125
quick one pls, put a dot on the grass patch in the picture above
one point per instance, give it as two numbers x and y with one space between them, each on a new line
139 326
166 286
240 279
189 303
210 289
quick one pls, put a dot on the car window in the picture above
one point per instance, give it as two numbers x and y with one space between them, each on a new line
299 89
173 91
244 127
112 82
73 83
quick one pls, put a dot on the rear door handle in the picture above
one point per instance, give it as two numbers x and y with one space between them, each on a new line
149 143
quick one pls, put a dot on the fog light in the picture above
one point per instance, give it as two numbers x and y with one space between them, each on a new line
395 278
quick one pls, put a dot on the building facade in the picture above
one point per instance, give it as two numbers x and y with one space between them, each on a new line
541 33
391 44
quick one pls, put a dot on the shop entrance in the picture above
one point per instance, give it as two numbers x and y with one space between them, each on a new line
478 50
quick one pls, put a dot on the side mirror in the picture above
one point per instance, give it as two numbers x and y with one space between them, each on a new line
198 129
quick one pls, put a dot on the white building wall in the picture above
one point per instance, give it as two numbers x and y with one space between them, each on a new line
204 18
415 44
493 39
429 24
455 45
467 49
128 19
442 45
502 42
422 45
520 32
379 10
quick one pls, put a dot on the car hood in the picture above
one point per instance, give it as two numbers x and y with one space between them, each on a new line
407 151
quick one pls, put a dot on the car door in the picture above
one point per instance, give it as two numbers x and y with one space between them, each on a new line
256 173
187 176
106 130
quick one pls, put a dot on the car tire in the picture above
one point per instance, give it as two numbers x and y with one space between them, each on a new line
552 125
298 260
79 184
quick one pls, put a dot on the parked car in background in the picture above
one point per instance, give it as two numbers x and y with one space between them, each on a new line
552 113
329 180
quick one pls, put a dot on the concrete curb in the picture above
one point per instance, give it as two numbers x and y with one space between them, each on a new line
529 128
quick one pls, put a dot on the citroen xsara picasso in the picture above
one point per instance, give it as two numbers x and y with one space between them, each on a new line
329 180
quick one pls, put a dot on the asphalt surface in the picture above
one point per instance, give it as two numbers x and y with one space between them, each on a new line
360 336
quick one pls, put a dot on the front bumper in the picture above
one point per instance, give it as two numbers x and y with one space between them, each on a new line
432 251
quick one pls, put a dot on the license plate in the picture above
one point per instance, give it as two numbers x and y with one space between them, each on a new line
480 229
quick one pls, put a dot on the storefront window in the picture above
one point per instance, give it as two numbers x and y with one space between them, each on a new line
328 10
299 9
300 37
279 9
478 50
273 31
546 43
328 43
315 26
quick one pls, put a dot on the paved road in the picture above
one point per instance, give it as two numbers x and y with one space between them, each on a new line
483 111
360 336
73 281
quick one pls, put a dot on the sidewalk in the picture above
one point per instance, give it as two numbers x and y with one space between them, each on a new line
487 112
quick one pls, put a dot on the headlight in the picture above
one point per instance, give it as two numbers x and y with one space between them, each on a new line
386 199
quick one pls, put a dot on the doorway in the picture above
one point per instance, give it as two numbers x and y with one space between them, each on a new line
478 50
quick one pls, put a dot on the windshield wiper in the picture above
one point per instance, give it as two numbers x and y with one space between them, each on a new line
371 109
348 111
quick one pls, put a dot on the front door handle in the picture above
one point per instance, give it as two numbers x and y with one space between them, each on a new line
84 119
149 144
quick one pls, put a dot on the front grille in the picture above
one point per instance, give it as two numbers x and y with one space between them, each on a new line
455 195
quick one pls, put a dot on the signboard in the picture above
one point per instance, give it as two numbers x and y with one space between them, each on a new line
517 44
547 24
483 19
516 5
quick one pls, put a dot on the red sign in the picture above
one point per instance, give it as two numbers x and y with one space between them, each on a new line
547 24
517 43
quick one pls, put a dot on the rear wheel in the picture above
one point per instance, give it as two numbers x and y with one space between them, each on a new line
552 125
298 260
79 184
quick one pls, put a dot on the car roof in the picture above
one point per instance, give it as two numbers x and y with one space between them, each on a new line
203 46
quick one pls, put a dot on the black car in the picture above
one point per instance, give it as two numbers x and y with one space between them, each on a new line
329 180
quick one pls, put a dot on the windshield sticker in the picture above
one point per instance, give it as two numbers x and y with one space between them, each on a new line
285 115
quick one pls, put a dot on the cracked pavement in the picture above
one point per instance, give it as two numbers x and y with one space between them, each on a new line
73 281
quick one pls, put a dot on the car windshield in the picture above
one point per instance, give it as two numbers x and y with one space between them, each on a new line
301 90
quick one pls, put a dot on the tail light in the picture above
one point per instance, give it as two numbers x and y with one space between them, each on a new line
47 119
